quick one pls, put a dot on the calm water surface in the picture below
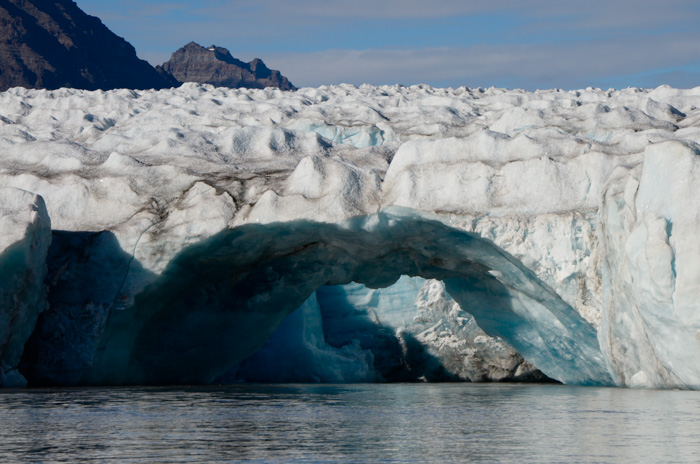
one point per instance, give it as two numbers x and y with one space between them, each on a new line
350 423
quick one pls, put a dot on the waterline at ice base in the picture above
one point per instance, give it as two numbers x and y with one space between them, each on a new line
202 235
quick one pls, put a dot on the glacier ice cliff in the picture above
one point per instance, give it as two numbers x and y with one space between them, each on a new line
390 233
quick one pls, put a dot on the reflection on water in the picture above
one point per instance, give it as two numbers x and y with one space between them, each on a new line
350 423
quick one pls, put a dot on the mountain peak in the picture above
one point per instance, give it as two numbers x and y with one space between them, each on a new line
215 65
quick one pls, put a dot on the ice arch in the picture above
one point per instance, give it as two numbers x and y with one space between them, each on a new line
218 301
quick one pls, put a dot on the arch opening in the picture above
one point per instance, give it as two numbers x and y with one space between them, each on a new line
411 331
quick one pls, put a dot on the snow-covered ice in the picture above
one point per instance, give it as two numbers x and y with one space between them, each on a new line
189 222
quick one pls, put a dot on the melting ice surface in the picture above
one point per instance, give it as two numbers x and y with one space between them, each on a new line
537 233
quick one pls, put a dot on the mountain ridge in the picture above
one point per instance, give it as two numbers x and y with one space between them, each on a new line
53 43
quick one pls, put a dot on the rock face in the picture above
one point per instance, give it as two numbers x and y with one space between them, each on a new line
216 66
189 223
48 44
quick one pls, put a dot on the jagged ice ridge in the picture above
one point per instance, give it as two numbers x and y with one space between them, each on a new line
550 231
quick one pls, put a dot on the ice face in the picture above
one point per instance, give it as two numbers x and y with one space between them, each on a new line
298 352
24 241
652 271
578 207
89 278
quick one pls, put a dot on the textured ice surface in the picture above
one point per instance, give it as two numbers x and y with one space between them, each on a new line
589 197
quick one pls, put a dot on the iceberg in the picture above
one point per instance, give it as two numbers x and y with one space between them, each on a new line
344 234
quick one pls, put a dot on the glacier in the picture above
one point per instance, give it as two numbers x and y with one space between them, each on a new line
345 234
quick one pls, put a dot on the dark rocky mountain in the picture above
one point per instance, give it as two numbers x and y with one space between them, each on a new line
53 43
216 66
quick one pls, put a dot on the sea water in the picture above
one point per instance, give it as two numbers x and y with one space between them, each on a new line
393 423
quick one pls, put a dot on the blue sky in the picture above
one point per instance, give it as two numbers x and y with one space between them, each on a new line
526 44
